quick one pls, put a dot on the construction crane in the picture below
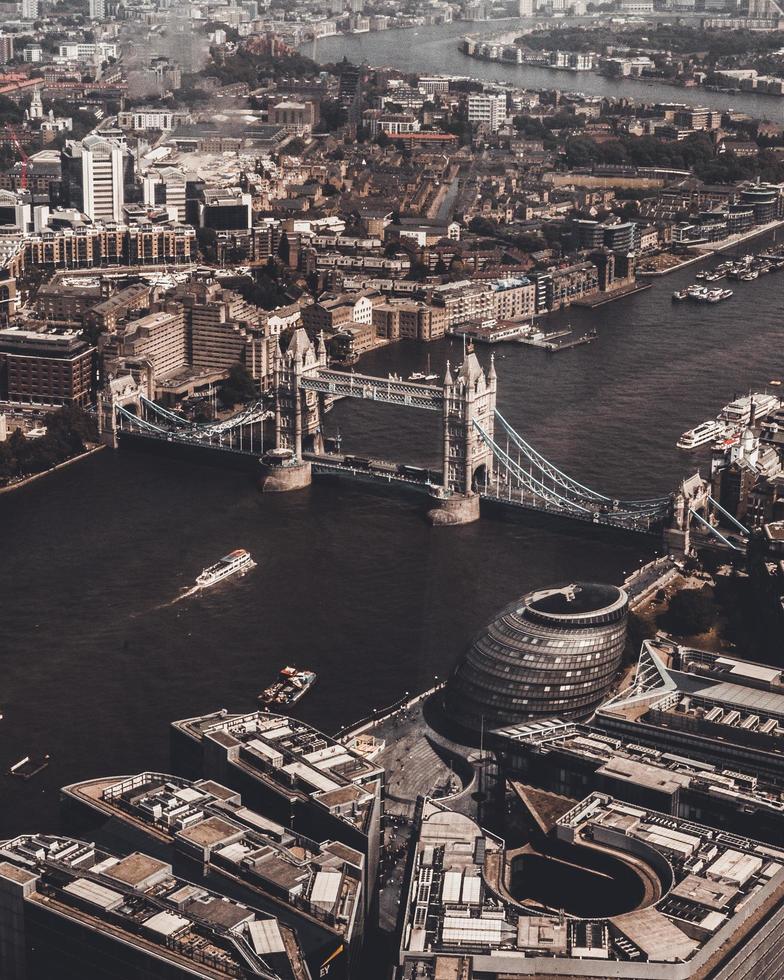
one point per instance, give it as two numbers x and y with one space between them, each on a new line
22 154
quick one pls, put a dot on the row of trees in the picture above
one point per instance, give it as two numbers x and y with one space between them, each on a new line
696 153
715 45
68 430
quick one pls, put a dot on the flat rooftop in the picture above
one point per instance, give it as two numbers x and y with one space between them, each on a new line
286 751
715 886
209 823
627 762
715 696
138 901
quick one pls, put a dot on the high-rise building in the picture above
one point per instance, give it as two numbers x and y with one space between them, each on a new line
29 9
527 8
6 48
488 109
166 188
93 176
97 9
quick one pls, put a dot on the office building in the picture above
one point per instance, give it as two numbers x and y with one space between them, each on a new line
225 209
71 911
94 175
41 368
567 758
712 904
292 773
294 117
552 652
160 338
166 188
224 330
206 833
712 708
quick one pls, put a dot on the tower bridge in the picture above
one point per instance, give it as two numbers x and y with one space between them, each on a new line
482 456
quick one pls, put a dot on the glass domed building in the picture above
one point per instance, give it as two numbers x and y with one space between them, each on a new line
553 652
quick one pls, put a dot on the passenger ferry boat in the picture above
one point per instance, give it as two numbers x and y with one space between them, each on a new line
235 563
704 432
292 684
738 412
730 420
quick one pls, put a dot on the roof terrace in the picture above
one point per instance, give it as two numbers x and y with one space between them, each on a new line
208 822
138 901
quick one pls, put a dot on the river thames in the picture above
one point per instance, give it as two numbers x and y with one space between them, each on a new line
434 50
351 581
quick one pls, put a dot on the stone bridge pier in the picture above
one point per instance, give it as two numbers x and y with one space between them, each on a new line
469 397
297 415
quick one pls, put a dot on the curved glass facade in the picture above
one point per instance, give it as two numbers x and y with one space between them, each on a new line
553 652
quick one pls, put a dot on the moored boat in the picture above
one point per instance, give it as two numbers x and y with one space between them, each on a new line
292 684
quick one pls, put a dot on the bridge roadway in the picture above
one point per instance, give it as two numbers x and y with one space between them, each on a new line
375 470
426 481
521 498
391 391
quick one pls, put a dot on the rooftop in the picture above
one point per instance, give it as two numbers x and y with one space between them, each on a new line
138 901
712 885
625 762
296 757
206 820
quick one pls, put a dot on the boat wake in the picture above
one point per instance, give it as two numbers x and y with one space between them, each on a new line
183 595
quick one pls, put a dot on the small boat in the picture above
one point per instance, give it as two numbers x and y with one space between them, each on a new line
292 684
680 295
235 563
424 375
28 767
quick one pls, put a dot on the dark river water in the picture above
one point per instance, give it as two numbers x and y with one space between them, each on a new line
435 50
351 582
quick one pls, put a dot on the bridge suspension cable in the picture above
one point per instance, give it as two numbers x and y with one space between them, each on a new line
713 530
164 412
572 486
527 480
255 412
541 485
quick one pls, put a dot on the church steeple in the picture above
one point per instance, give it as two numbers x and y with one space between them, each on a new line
36 105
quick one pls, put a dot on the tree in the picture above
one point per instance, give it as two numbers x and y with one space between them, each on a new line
238 387
691 611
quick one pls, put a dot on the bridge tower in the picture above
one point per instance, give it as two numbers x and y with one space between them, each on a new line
297 412
691 496
124 391
469 396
